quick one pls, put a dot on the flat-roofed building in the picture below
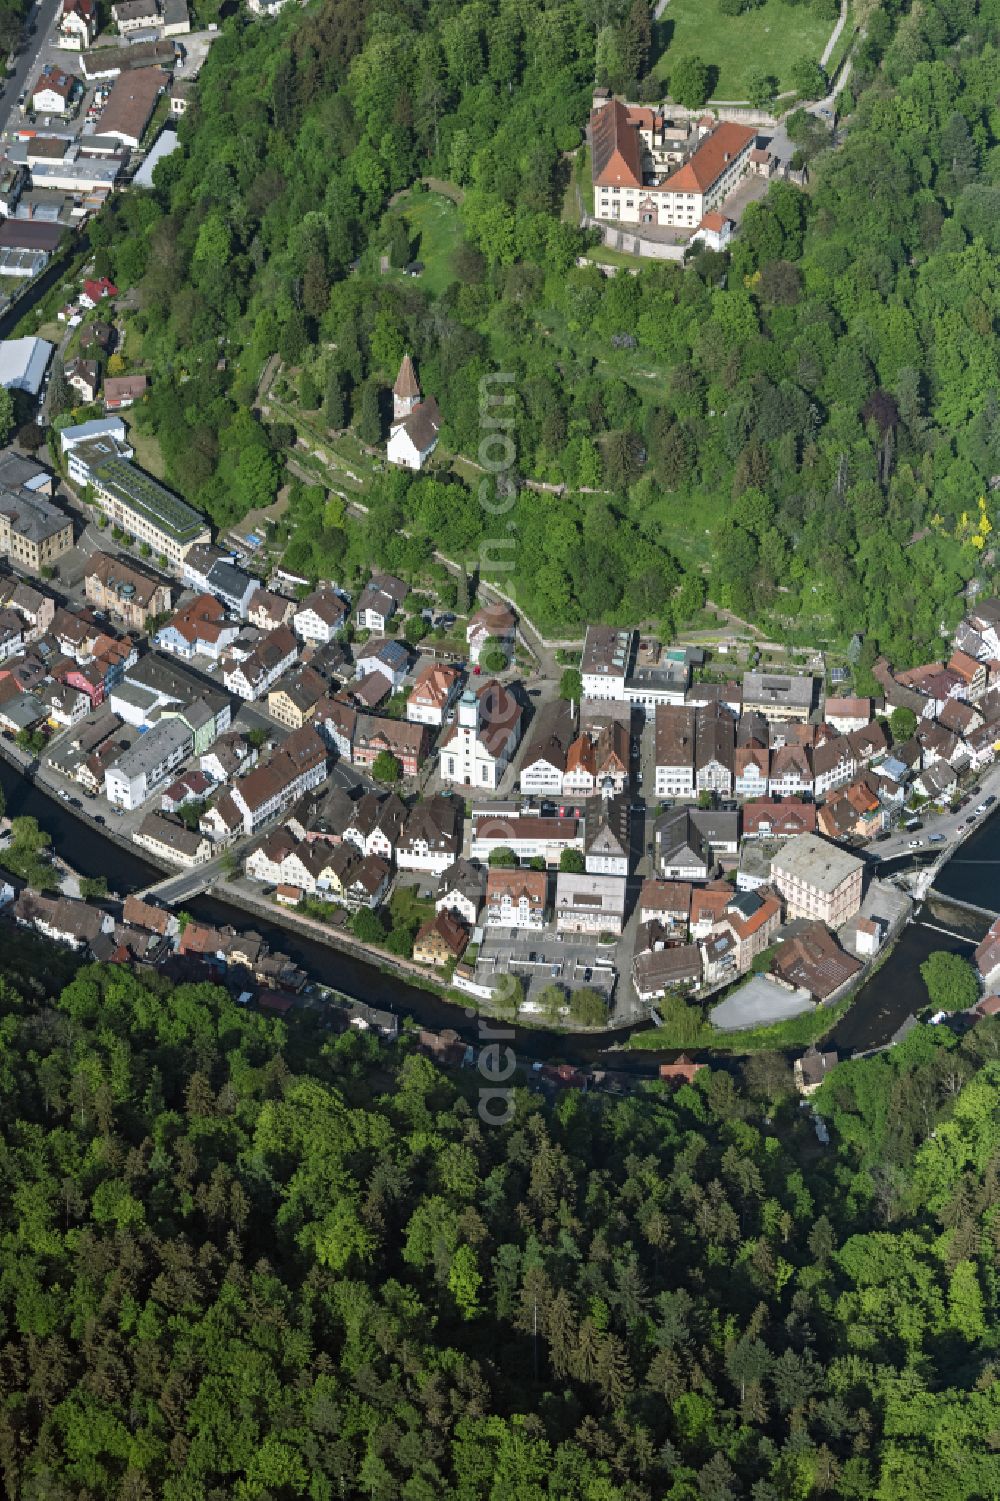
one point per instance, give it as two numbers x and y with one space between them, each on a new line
779 696
147 764
23 362
606 661
137 502
818 880
589 903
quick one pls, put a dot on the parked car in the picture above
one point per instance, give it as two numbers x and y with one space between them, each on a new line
915 844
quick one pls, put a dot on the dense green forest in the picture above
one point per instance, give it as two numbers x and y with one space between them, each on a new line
244 1259
805 429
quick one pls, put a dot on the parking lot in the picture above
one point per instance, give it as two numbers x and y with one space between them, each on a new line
547 957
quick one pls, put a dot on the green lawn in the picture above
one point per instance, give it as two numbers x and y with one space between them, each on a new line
406 907
798 1031
147 451
771 39
435 222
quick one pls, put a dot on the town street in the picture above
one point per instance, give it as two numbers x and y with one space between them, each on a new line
953 826
39 22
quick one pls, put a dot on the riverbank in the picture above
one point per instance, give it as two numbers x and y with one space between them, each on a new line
358 975
866 1020
797 1032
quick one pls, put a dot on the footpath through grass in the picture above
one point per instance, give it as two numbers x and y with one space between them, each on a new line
771 39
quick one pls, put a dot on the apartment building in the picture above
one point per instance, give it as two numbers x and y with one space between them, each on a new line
440 941
293 701
267 611
433 694
431 837
381 597
607 838
715 737
543 765
135 501
147 765
818 880
675 750
319 617
606 662
126 592
34 534
779 696
253 674
266 791
199 628
406 742
516 899
172 840
461 889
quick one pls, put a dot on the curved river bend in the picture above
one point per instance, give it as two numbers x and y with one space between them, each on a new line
89 853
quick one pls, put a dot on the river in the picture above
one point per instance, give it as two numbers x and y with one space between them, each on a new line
971 876
92 855
896 990
973 872
883 1003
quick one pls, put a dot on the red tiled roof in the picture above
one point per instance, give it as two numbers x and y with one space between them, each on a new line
615 145
711 159
532 884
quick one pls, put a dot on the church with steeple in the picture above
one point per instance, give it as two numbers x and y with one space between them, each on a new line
416 420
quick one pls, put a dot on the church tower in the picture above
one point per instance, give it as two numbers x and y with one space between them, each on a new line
406 391
468 711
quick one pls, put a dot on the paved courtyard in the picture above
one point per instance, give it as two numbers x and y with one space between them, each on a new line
759 1002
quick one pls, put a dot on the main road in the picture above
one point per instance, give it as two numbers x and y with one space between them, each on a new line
39 21
954 826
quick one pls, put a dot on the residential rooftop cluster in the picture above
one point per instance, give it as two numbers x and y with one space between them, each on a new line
207 708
